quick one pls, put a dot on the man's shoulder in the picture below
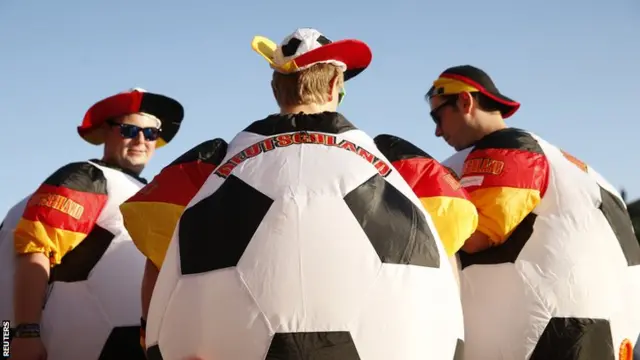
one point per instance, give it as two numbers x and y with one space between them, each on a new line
209 151
510 139
325 122
80 176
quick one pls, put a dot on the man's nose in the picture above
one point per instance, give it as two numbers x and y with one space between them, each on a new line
438 131
140 137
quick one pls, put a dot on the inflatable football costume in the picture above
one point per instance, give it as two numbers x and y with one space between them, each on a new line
303 242
562 280
93 295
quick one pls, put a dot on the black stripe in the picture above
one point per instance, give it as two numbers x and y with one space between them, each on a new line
326 122
509 139
395 148
210 151
506 252
575 339
123 343
396 227
79 176
154 353
77 264
336 345
616 213
322 40
215 232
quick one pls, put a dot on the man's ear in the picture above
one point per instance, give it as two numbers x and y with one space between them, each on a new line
465 102
333 87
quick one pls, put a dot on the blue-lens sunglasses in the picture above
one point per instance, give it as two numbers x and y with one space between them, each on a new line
129 131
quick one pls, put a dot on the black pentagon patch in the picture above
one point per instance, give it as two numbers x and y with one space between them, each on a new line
290 48
77 264
323 40
575 339
313 345
620 221
153 353
507 252
459 354
123 343
395 226
215 232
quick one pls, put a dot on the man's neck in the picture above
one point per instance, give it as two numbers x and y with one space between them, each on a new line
490 125
305 109
134 170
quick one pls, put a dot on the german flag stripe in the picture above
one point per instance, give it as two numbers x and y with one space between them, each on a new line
151 215
428 178
509 157
62 211
64 208
502 209
37 237
455 219
151 225
505 167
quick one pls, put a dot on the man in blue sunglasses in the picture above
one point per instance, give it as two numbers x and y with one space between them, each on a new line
77 272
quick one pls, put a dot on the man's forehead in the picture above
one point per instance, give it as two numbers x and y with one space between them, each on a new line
142 119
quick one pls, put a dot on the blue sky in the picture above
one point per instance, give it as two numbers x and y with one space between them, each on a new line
573 65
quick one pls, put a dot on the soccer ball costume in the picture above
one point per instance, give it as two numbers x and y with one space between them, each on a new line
561 280
298 240
92 309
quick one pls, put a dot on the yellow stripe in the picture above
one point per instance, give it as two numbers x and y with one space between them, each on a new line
502 209
151 226
36 237
455 219
445 86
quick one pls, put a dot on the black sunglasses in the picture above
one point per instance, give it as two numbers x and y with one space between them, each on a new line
435 113
129 131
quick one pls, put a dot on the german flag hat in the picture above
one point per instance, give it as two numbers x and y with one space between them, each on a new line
169 111
463 78
307 47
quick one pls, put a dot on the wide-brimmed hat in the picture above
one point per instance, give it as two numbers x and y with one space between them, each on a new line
457 79
169 111
306 47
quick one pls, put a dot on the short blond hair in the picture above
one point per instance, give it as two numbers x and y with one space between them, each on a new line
309 86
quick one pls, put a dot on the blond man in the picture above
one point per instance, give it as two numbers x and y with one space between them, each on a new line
297 239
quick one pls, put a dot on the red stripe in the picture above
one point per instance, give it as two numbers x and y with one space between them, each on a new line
507 168
65 209
429 178
176 184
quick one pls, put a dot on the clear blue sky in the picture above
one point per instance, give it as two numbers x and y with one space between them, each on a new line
574 65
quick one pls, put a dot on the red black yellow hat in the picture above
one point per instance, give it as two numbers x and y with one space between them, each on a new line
463 78
169 111
307 47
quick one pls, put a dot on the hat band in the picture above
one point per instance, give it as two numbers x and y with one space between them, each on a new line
448 86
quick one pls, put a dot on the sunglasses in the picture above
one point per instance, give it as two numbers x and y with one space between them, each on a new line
129 131
436 113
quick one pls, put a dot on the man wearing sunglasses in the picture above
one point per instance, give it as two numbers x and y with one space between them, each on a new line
72 247
553 264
